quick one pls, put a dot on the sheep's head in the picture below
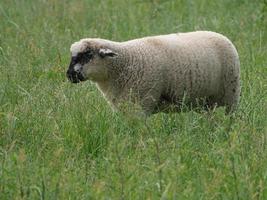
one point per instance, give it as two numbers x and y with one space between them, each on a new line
89 60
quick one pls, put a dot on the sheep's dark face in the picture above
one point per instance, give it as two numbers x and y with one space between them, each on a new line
88 61
75 72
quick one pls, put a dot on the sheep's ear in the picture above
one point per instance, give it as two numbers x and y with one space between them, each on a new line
106 52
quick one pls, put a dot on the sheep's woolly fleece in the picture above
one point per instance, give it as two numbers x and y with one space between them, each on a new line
196 69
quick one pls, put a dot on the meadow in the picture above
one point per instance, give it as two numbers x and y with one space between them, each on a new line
62 141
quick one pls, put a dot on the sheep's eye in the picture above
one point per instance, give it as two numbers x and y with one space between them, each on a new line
85 57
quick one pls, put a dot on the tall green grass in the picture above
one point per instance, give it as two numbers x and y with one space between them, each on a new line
62 141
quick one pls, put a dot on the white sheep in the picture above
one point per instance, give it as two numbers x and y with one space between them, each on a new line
196 69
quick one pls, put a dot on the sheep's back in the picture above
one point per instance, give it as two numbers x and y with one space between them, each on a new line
187 61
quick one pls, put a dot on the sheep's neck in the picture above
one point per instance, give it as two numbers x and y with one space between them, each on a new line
124 74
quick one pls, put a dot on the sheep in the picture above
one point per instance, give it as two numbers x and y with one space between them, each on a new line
197 69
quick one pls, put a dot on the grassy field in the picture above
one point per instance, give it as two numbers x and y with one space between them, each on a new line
62 141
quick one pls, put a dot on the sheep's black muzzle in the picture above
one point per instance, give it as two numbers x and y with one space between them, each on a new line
73 75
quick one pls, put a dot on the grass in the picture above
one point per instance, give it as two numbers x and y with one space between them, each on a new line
62 141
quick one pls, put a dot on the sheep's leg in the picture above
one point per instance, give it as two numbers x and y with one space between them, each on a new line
231 91
149 105
231 98
138 103
149 101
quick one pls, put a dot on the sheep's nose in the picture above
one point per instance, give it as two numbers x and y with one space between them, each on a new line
72 76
